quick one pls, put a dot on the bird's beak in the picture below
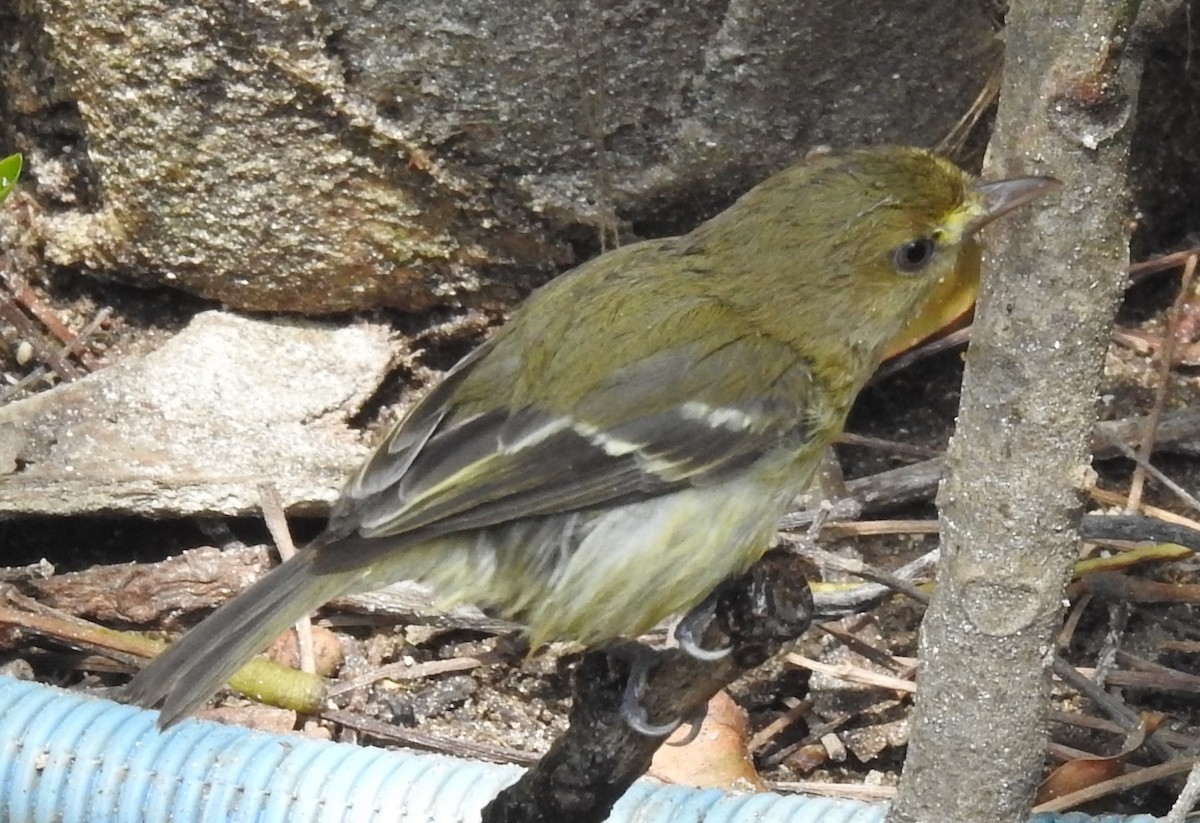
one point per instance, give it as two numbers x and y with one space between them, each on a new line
1002 196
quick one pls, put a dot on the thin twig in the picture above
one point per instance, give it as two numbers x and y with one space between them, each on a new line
1106 656
853 674
1166 359
873 528
956 138
40 570
276 520
423 740
961 336
74 347
402 670
829 605
1106 497
1187 798
48 318
1179 491
816 732
850 791
880 657
1093 723
1113 707
883 444
76 344
923 352
1130 780
796 710
893 581
1137 528
12 314
1072 622
1166 261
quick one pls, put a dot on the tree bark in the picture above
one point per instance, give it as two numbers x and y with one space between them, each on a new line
1020 460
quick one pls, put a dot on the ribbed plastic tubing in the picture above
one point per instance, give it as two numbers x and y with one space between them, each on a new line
71 758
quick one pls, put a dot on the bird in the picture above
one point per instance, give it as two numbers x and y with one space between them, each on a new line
631 437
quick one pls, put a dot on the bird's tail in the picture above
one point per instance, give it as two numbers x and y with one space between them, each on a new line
195 666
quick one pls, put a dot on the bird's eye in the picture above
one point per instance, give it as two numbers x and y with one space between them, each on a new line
914 255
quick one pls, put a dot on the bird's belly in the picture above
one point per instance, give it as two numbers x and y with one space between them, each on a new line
592 577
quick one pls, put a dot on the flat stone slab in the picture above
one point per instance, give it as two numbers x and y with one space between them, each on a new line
196 426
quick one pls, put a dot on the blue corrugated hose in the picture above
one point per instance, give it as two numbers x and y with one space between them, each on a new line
68 758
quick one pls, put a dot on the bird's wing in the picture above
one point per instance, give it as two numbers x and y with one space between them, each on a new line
443 471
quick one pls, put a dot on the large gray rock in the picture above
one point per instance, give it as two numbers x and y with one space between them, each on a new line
342 154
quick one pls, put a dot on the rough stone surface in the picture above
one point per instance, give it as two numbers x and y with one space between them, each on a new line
342 154
196 426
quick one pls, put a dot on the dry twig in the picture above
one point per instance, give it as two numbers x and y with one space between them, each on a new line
1166 359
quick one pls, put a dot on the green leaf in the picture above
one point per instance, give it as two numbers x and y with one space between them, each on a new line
10 169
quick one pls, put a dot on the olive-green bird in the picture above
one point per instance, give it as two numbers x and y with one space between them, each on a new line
632 436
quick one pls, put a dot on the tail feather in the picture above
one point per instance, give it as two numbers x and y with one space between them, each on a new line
196 665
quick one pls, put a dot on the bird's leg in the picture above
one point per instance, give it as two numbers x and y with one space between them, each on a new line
613 735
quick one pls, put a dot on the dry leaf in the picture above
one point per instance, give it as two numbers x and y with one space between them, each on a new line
717 758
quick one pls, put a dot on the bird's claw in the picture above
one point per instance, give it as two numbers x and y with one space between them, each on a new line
691 628
694 721
632 711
